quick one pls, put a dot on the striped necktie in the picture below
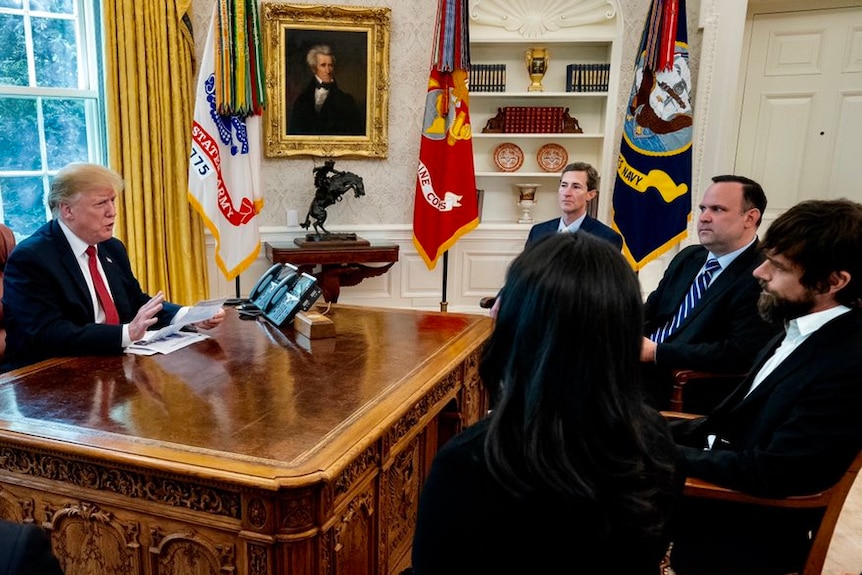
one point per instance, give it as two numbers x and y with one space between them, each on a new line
695 293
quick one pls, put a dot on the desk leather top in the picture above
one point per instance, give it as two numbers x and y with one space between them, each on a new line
253 402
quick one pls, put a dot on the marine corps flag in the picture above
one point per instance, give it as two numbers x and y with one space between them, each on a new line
224 167
446 206
652 190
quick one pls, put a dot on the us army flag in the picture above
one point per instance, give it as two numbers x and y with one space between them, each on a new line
224 173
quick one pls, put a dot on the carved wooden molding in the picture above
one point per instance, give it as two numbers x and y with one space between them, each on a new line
535 18
185 551
136 485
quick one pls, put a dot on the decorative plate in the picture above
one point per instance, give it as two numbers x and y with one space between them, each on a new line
552 157
508 157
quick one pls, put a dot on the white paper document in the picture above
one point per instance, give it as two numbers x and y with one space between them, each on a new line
170 338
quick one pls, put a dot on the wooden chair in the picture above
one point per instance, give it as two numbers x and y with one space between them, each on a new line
700 391
832 500
487 302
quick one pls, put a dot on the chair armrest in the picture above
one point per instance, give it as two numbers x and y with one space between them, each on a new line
695 487
487 302
679 415
708 387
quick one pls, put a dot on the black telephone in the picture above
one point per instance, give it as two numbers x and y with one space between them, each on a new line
264 282
262 292
282 291
291 295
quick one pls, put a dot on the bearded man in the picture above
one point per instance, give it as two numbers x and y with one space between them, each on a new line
793 426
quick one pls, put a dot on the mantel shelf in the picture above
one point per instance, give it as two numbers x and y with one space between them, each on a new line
542 135
520 174
538 94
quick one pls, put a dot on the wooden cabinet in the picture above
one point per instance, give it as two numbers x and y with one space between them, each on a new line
501 39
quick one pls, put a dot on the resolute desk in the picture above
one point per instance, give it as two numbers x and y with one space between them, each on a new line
255 452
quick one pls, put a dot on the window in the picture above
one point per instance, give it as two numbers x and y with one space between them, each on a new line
51 101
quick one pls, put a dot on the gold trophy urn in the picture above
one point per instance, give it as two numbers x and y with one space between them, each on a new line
527 201
537 64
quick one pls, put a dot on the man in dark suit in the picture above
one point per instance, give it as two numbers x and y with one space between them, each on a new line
578 184
323 108
722 331
26 550
54 305
793 426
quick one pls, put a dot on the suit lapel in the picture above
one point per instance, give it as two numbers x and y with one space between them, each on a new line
723 282
69 261
684 279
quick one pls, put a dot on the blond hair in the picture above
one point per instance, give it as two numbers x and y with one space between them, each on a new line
77 178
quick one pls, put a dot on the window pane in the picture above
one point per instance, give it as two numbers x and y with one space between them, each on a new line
23 206
55 52
19 134
56 6
11 3
13 54
65 132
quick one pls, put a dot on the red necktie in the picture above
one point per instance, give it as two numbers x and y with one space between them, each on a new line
111 315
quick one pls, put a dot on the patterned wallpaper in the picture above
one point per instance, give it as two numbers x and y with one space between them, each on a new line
389 182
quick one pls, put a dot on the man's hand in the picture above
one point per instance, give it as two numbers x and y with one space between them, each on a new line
213 321
146 317
648 350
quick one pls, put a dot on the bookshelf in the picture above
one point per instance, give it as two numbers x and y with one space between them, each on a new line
590 46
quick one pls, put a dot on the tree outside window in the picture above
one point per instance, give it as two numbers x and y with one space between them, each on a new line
51 101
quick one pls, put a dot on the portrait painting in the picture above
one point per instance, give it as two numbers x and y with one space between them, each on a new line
327 70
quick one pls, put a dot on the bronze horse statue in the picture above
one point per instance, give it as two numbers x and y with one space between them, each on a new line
327 194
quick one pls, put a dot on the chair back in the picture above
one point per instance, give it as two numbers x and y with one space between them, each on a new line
831 499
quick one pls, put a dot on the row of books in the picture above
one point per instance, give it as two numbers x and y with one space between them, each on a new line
587 77
487 78
533 119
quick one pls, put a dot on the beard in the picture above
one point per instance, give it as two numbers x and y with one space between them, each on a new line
778 310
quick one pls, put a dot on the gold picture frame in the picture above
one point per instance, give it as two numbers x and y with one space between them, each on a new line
359 38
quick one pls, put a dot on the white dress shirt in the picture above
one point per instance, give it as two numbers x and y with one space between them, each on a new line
798 330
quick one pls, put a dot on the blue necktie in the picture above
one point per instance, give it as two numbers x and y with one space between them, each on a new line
695 293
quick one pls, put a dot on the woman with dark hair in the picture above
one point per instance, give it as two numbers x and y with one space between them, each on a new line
571 468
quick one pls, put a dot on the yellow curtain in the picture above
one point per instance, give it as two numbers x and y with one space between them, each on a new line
149 68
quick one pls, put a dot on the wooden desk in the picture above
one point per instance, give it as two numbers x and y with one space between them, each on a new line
255 452
340 266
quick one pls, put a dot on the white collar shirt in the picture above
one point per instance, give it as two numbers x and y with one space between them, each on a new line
572 227
798 330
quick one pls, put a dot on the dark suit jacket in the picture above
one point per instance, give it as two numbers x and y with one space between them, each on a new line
26 550
48 309
796 433
723 333
339 115
589 225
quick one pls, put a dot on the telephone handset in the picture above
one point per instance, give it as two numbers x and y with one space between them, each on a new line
262 292
281 287
264 281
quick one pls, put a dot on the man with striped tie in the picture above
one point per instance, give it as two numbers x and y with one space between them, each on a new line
703 314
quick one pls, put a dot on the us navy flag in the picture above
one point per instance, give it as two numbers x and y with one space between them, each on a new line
652 189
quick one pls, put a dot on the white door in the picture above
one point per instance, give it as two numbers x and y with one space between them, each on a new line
800 130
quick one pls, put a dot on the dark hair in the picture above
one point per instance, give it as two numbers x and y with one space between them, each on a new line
565 359
592 174
822 237
753 195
